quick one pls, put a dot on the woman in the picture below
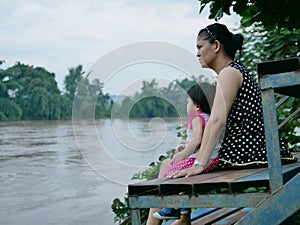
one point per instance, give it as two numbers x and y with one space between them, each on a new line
237 108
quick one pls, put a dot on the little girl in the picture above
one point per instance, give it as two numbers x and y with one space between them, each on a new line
198 111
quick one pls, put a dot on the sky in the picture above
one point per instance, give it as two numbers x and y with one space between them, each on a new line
61 34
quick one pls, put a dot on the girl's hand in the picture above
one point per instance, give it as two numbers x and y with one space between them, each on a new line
177 157
192 171
180 147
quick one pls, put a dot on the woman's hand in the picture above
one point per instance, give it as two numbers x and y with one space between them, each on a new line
192 171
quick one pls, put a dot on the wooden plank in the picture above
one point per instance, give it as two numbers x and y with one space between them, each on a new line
278 207
225 181
201 212
215 216
196 214
146 187
278 66
262 179
153 186
234 217
272 139
135 217
237 174
292 91
205 182
290 170
254 180
186 185
198 201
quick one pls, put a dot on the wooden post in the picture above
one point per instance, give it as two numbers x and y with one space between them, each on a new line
272 139
135 217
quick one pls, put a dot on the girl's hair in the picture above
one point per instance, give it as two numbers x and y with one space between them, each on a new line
231 42
202 95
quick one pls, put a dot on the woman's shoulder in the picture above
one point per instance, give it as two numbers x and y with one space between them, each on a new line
230 76
239 66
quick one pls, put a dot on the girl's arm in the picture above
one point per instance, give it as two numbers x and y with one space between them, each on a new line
229 82
192 145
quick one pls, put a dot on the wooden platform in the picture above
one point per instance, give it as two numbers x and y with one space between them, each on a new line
223 197
226 197
232 180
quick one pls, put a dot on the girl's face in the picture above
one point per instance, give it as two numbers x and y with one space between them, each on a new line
205 52
190 106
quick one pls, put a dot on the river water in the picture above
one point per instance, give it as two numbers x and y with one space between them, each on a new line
64 172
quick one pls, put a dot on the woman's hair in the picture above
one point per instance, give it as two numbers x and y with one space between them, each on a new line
231 42
202 95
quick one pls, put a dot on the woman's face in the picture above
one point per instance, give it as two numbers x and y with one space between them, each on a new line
205 52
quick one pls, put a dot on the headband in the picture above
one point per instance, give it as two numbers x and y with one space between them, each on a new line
210 33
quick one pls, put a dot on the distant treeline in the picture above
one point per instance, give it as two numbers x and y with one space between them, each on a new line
31 93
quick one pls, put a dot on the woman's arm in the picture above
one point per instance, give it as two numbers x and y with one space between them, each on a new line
229 82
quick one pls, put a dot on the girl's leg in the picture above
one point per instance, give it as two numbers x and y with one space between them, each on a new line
163 167
185 219
151 220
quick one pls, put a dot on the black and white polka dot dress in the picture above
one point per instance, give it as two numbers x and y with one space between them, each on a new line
244 140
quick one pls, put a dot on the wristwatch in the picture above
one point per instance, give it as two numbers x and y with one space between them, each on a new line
198 163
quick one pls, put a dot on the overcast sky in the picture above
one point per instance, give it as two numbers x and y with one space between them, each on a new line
60 34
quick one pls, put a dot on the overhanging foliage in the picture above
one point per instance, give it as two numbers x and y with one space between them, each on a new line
271 13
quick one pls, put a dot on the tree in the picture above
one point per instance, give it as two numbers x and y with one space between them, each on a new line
153 101
71 82
150 102
9 110
271 13
262 45
34 90
85 94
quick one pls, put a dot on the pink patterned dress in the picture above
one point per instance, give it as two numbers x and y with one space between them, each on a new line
189 161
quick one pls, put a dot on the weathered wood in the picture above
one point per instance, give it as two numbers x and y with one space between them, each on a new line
278 66
234 217
278 207
272 139
234 180
198 201
237 179
285 84
216 216
196 214
225 181
135 217
150 187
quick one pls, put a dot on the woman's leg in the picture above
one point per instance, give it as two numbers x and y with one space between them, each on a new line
151 220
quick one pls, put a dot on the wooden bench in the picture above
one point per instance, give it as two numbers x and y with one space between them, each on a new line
230 203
